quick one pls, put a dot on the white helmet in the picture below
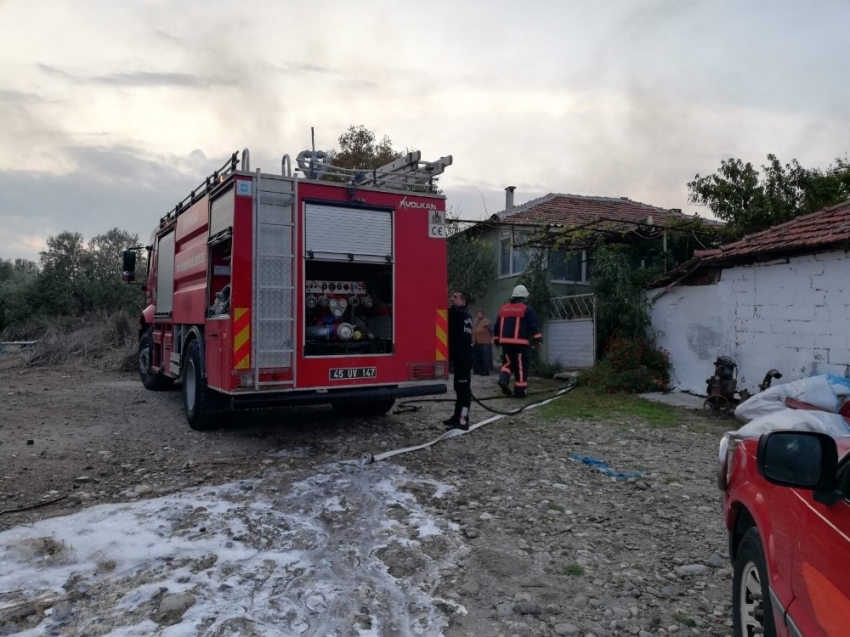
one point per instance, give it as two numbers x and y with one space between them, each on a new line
520 292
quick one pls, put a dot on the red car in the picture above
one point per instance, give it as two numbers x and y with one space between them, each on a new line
787 507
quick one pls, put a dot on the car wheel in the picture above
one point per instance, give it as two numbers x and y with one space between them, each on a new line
152 380
752 612
203 405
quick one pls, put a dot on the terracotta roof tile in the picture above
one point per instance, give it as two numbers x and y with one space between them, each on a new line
827 228
822 229
574 210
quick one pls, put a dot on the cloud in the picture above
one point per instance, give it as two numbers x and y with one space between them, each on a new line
55 72
18 98
141 78
106 188
306 68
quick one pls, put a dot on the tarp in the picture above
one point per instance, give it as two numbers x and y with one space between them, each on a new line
825 392
832 424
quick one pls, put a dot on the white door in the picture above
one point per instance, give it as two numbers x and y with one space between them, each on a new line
571 331
572 344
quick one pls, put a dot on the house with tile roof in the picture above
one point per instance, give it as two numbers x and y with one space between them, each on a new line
514 233
779 298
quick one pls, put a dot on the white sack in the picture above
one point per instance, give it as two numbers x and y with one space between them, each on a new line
798 420
825 391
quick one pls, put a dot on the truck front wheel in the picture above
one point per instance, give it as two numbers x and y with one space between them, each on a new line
152 380
203 408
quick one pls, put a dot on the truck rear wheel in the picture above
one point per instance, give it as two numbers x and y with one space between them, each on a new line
364 408
152 380
203 405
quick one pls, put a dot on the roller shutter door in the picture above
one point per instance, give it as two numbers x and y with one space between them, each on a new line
336 233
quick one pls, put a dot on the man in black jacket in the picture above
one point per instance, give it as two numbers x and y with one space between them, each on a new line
460 355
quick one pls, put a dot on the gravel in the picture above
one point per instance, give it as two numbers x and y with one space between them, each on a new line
551 546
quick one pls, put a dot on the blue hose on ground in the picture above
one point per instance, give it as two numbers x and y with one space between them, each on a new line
603 467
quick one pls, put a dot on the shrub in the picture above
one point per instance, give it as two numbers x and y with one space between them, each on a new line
629 365
544 370
102 340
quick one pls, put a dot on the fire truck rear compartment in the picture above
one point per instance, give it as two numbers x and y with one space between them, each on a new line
348 288
348 308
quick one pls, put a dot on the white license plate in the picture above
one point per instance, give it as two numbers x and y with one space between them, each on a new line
350 373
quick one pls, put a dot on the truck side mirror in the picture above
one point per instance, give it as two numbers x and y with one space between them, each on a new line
129 266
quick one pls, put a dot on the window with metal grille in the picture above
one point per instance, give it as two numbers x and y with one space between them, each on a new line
569 266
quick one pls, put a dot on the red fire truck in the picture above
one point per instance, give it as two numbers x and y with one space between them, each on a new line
323 286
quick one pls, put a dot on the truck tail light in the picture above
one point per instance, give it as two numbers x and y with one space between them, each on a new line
427 371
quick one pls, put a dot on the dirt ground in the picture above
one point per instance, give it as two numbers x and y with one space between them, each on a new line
530 537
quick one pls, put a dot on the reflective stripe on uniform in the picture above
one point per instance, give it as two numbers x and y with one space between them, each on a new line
514 341
520 379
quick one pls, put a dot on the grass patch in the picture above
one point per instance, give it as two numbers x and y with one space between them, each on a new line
556 507
573 569
585 403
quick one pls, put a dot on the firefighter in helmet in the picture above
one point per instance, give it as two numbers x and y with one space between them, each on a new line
515 331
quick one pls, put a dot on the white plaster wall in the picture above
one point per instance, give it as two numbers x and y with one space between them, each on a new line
789 315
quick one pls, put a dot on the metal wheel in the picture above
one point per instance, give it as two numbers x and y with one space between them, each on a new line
750 605
150 379
190 386
752 612
144 361
717 406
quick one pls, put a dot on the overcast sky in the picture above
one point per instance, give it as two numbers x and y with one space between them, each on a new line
110 112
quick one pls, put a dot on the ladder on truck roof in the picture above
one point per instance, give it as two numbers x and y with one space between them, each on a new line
408 172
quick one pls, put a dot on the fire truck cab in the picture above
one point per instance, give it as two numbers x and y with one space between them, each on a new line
328 286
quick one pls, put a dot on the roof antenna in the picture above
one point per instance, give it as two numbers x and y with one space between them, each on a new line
313 137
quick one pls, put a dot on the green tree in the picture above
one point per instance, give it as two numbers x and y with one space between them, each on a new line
74 277
750 201
62 285
17 290
471 263
536 280
621 307
359 147
105 285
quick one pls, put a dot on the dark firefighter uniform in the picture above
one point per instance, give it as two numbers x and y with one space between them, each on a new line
515 331
460 355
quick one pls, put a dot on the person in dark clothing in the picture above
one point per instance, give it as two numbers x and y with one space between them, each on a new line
460 355
516 330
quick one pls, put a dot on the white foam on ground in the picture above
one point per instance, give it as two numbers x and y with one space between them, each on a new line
303 562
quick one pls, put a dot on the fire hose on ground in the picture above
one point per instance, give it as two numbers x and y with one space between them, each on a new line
368 458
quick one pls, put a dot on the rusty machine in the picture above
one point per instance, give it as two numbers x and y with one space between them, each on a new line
722 387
